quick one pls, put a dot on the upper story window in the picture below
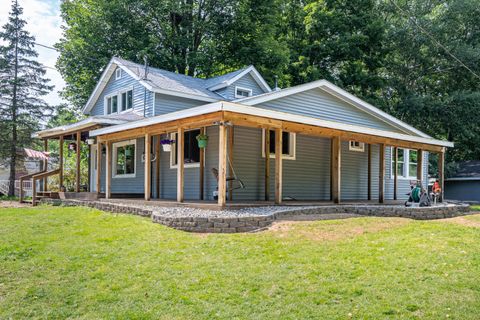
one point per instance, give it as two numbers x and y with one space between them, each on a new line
242 92
190 149
118 74
119 102
288 144
124 159
406 163
356 146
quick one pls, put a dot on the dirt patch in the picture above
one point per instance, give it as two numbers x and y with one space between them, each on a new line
336 229
12 204
464 221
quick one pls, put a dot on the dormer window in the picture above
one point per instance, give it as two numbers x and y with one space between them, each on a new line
118 74
242 92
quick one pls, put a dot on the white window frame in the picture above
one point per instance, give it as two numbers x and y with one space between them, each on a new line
250 92
115 146
120 103
406 164
118 73
353 147
105 106
292 147
173 153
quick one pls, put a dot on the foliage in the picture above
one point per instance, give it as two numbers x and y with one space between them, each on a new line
96 265
22 86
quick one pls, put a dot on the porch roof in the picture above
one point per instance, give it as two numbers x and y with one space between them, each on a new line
87 124
236 108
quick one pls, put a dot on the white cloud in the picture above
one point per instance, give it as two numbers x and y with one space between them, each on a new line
44 23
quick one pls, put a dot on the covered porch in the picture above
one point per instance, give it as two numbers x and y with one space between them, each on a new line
226 120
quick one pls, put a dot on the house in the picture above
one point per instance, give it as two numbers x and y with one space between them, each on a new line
309 142
464 184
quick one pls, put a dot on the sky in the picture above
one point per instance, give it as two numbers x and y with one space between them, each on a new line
44 23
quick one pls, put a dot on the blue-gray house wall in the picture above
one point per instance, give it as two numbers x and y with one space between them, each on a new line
143 100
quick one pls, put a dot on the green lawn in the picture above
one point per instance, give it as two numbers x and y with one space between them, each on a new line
80 263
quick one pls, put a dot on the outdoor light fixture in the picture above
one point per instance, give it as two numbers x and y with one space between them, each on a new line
90 141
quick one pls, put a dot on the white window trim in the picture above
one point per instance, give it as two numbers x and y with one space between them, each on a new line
118 74
293 147
250 92
406 164
120 106
174 151
118 94
114 159
360 148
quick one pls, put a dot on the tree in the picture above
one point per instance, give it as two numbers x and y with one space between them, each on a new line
22 86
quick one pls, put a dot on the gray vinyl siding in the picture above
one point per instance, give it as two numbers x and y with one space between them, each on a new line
319 104
247 81
142 99
466 190
166 104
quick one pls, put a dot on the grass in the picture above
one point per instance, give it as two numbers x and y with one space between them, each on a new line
475 207
61 263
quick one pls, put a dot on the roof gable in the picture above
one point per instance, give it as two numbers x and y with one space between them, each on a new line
229 78
339 93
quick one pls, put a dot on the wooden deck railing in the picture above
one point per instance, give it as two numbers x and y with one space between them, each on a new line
35 177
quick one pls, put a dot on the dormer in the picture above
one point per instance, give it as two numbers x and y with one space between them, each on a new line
239 84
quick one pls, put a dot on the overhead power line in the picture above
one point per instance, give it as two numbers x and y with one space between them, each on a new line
433 39
45 46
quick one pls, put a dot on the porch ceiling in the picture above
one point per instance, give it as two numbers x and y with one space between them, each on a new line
241 115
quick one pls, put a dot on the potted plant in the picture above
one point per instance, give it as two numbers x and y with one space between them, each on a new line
167 144
202 140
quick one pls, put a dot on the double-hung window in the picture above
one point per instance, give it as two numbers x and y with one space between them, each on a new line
119 101
127 100
112 104
190 149
124 159
288 144
406 163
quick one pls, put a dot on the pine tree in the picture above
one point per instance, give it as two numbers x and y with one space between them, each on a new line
22 86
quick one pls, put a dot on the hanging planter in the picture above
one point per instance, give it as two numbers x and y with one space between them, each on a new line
202 140
167 144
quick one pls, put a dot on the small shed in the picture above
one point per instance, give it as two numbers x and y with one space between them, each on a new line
464 185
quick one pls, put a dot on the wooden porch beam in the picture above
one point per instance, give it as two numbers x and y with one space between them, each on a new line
336 164
77 171
148 167
267 164
369 172
60 163
278 166
230 136
395 173
180 164
157 165
45 165
441 173
108 169
222 165
201 179
99 167
381 174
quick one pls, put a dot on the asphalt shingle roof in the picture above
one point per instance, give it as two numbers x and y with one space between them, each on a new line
468 169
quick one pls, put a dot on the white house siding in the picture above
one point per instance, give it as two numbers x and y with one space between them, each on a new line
140 100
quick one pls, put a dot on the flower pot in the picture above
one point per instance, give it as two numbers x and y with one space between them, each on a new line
202 143
167 147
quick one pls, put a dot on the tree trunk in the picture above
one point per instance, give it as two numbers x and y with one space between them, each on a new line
13 149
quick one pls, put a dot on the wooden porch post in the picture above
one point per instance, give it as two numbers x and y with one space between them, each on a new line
180 164
148 167
222 165
99 166
230 156
77 171
108 169
278 165
267 164
157 165
60 163
202 169
369 172
441 172
336 159
395 173
45 165
420 166
381 174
